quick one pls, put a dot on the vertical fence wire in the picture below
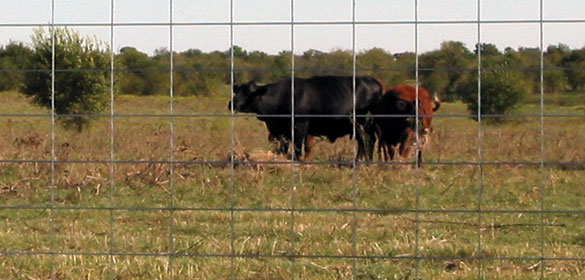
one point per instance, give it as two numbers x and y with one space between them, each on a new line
542 188
111 164
416 252
171 239
233 144
354 187
479 146
293 252
53 185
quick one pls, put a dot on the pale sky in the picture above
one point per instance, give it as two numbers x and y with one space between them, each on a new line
394 37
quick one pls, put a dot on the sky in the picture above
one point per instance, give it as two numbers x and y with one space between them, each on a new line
18 17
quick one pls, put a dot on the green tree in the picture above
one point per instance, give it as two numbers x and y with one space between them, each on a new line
575 64
338 62
555 80
260 65
14 59
281 65
487 49
251 66
442 69
81 84
500 93
526 62
383 65
555 54
197 74
141 74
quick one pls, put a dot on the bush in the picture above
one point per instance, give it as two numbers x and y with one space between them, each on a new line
13 60
500 92
81 76
196 75
141 74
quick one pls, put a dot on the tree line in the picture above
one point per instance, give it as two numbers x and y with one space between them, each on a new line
83 65
200 73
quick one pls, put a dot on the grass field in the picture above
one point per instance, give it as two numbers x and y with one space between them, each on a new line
411 223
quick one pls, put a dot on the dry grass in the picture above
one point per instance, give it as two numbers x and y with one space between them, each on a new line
204 188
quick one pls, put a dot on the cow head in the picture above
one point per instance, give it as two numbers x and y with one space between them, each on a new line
402 107
426 105
245 97
394 105
427 108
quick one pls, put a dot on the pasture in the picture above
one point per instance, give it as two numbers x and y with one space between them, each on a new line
407 219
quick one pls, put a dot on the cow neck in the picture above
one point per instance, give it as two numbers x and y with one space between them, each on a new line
270 102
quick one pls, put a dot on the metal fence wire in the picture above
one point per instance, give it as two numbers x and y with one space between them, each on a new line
357 261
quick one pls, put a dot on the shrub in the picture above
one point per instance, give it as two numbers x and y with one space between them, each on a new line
500 92
13 60
141 74
81 76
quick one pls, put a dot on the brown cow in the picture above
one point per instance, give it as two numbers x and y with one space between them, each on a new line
402 134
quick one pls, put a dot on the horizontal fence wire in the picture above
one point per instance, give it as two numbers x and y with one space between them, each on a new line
216 163
297 256
297 116
288 23
301 69
300 210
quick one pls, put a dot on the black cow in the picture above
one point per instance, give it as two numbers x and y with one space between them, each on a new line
319 95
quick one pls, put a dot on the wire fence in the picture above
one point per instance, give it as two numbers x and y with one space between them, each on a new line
417 214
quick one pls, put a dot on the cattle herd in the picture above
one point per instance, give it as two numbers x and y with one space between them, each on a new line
326 106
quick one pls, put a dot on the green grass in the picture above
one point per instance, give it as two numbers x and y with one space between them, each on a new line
447 241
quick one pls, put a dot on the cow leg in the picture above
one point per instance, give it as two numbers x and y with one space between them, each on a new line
404 149
372 130
385 151
279 142
390 152
366 140
282 145
381 150
301 129
405 144
361 149
370 141
309 142
360 141
275 142
371 146
382 147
